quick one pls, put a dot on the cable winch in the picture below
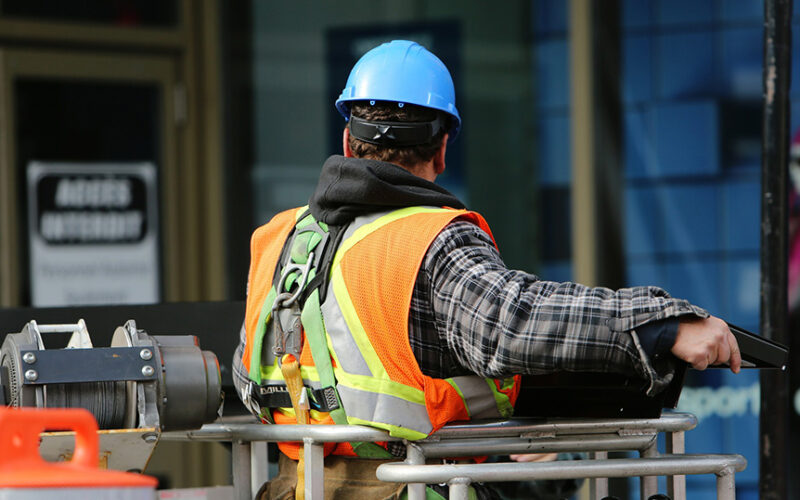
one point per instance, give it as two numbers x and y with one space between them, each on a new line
165 382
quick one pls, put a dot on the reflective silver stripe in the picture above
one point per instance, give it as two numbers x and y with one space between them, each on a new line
347 352
478 396
383 408
359 221
362 220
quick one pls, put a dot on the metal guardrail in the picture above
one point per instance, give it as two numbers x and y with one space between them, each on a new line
597 436
459 477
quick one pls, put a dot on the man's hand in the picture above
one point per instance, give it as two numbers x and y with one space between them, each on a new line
705 342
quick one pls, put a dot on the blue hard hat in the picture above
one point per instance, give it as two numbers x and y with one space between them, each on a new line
404 72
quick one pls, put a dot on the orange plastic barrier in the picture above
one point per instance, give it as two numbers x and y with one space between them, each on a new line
22 467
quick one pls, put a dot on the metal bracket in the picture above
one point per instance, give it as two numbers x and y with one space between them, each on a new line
66 366
80 337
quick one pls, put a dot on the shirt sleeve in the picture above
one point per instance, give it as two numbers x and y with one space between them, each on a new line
658 337
498 322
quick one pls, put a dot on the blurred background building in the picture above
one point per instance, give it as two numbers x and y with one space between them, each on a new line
141 141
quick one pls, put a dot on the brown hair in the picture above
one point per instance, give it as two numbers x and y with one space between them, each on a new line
407 156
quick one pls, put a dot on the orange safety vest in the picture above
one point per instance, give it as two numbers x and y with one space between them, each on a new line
365 315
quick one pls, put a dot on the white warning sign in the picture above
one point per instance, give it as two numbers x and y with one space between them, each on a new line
93 233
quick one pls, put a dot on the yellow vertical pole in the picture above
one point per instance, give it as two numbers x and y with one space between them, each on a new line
584 187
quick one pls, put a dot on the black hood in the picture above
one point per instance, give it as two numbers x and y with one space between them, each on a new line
349 187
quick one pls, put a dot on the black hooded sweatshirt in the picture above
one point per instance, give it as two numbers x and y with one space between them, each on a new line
350 187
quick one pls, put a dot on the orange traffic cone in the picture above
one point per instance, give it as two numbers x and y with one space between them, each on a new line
25 475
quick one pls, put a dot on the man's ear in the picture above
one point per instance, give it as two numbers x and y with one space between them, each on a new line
346 143
438 158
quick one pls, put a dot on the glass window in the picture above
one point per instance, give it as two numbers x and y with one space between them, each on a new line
122 13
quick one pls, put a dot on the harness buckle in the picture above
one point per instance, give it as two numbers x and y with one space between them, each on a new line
286 312
249 400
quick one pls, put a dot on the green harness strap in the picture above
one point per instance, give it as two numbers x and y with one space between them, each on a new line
254 370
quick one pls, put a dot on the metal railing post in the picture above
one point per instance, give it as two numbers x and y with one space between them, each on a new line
598 487
459 488
676 485
415 456
242 478
314 469
726 485
649 484
259 465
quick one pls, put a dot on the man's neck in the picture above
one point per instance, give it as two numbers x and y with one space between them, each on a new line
424 170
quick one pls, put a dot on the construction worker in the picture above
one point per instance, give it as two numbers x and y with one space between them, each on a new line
375 305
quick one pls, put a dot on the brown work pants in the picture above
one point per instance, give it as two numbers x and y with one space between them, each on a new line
346 478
